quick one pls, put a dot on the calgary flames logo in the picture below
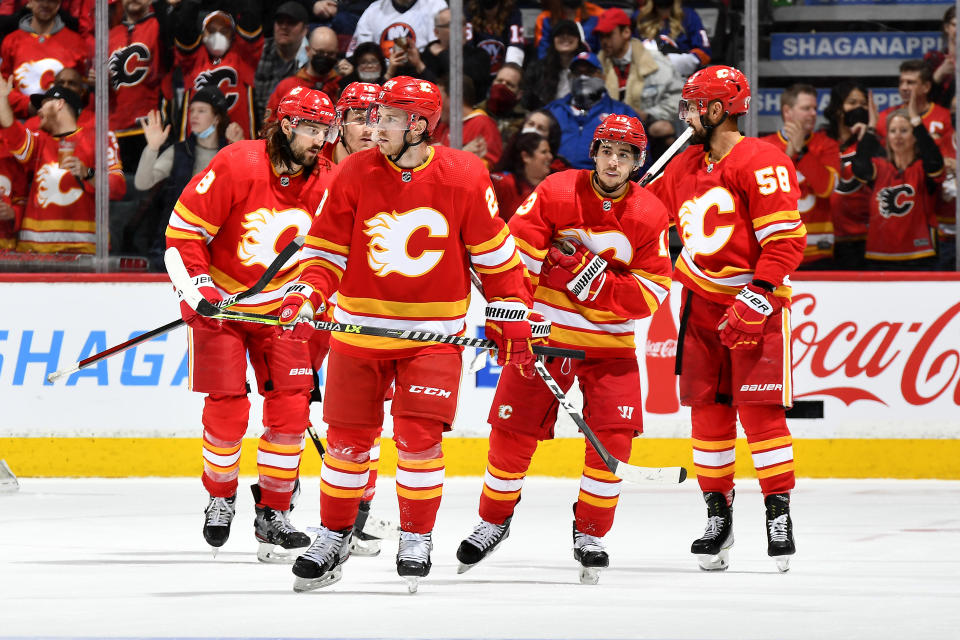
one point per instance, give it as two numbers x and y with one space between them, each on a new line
129 65
36 76
264 228
895 201
693 214
226 79
48 187
390 233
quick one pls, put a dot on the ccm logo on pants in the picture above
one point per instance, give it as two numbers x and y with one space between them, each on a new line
429 391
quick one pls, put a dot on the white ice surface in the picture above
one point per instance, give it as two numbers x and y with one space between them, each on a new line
125 558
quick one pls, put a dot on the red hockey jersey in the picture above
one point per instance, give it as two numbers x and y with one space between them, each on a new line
397 246
35 60
60 214
511 192
13 191
850 200
903 220
737 218
233 219
817 173
233 75
136 73
629 232
936 119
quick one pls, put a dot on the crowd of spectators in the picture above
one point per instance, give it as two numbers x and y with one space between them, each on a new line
187 77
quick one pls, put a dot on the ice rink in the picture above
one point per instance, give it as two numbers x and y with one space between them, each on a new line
125 558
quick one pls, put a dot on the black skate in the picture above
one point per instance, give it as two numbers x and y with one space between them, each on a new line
484 540
780 544
275 534
589 552
321 564
216 523
713 548
363 544
413 558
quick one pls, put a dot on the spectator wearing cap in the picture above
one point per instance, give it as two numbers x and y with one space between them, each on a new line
224 54
40 47
581 112
178 162
70 79
583 14
279 58
640 77
678 31
322 71
547 79
60 212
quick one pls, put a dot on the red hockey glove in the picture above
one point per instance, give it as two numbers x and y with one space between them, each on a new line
509 329
299 307
575 268
204 284
742 323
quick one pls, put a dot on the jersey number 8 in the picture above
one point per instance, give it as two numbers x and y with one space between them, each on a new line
768 183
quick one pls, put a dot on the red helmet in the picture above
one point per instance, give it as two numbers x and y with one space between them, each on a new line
718 82
618 128
416 97
307 104
357 95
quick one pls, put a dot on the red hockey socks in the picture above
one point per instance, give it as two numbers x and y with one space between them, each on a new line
600 489
507 462
714 446
771 446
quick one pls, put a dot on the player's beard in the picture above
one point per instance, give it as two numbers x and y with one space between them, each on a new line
302 156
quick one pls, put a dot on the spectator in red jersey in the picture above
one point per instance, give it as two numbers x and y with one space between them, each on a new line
816 158
59 215
916 77
279 59
71 79
322 71
480 134
524 165
903 223
224 54
13 197
943 62
37 51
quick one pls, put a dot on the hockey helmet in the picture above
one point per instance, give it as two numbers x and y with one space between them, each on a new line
719 82
307 104
357 95
621 128
419 98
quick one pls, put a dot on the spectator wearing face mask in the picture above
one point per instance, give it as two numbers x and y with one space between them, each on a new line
503 103
547 79
582 111
367 65
279 58
583 14
221 54
321 72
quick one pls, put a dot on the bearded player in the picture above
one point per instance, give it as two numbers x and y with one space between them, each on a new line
227 231
734 200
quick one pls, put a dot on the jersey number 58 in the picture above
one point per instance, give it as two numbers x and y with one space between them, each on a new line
768 179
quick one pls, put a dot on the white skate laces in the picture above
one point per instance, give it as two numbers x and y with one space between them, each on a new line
325 548
778 528
220 512
587 543
485 534
714 525
415 547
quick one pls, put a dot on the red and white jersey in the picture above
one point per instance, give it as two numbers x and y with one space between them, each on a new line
817 176
476 124
233 75
850 200
936 119
35 60
234 218
629 232
737 218
60 215
903 218
397 246
136 73
13 191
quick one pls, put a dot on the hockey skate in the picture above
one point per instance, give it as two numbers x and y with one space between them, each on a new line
216 523
275 534
484 540
589 552
363 544
713 548
780 544
321 565
413 558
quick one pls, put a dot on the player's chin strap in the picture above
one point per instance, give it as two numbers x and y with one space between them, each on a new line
406 145
710 127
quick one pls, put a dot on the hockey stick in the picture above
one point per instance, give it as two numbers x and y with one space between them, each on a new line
257 287
665 158
619 468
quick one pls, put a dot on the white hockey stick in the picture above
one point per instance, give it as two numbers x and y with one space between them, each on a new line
665 158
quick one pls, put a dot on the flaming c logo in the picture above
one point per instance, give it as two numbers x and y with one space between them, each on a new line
390 233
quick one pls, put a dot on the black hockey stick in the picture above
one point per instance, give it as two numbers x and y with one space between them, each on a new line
665 158
258 286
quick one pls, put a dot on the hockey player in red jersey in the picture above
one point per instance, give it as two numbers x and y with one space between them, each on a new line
734 200
228 225
396 237
595 245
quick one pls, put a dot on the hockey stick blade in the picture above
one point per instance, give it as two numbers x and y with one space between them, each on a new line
268 275
400 334
619 468
665 158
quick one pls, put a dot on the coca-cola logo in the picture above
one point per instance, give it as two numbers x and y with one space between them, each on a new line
922 354
662 349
